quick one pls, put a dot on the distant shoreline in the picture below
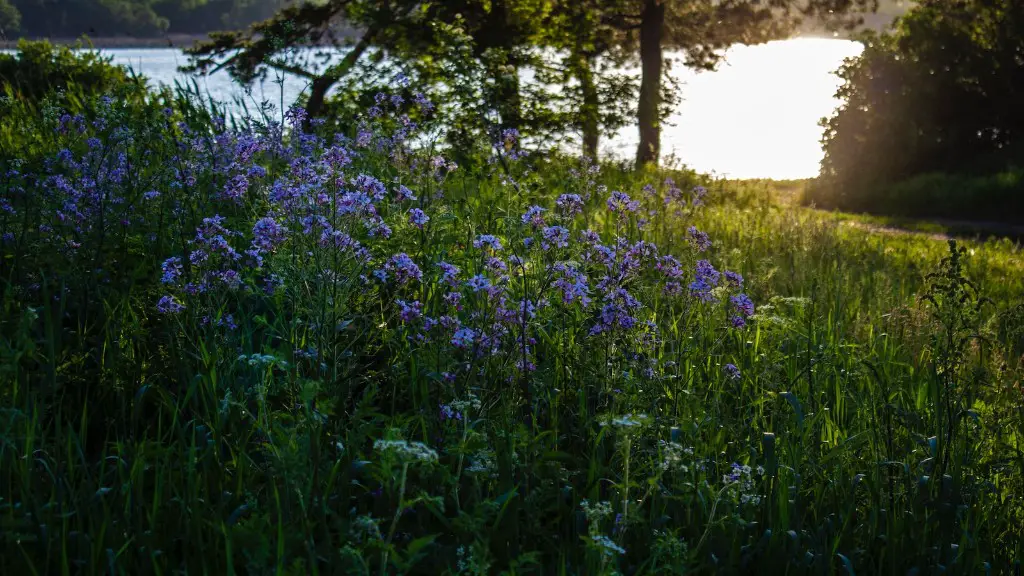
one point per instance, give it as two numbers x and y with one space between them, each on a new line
166 41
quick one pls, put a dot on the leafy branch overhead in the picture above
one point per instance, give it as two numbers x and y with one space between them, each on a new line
579 46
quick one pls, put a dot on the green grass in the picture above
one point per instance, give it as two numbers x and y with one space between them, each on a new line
992 199
878 408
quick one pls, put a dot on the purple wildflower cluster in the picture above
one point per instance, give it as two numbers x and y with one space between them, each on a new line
290 213
620 202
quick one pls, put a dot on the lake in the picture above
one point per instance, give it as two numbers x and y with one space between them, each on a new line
755 117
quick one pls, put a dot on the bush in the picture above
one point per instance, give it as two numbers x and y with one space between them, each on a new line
995 197
38 68
940 94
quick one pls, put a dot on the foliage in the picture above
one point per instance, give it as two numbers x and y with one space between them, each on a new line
939 95
581 47
41 80
700 30
307 355
10 19
141 18
996 197
39 68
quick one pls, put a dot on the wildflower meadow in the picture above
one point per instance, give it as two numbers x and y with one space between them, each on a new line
253 347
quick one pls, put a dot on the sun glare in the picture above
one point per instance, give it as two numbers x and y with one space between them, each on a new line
757 115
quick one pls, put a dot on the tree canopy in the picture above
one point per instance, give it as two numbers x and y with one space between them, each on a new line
487 45
138 18
942 93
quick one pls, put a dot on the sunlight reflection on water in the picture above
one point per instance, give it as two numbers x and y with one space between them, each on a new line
755 117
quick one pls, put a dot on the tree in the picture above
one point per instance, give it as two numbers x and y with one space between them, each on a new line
10 19
596 93
940 96
485 42
701 29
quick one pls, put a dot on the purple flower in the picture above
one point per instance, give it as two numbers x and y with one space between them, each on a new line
169 305
488 240
743 304
738 322
569 204
268 234
363 137
463 338
402 194
449 413
370 185
509 138
698 195
534 216
227 321
272 283
423 102
732 371
707 272
670 267
620 202
296 116
418 218
449 273
572 283
376 228
478 283
699 239
171 270
236 187
555 236
496 264
403 267
453 299
230 278
734 278
411 311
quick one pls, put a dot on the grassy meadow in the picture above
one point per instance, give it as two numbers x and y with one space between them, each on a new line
251 349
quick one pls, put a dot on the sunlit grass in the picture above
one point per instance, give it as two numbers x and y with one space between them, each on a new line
867 418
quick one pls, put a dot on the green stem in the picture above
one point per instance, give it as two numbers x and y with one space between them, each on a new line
394 521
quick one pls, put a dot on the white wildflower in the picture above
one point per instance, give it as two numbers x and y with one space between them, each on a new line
607 546
407 451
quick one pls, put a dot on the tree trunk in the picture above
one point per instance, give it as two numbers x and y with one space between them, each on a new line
321 84
652 26
590 114
506 99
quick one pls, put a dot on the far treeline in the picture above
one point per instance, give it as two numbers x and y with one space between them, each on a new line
68 19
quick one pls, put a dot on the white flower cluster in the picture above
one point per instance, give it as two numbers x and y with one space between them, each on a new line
742 477
407 451
464 406
483 463
627 421
672 456
607 546
596 512
262 360
365 528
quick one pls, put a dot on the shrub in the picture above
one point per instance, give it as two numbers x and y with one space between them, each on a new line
940 94
39 68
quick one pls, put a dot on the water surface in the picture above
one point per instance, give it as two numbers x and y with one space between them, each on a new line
755 117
